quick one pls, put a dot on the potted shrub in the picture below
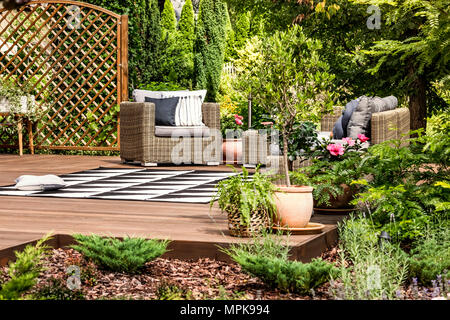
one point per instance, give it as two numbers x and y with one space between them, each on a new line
249 203
291 83
231 126
15 100
334 168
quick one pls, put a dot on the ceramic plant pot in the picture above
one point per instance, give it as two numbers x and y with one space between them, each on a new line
294 206
232 151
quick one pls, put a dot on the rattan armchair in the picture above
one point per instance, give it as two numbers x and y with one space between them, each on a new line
386 125
138 142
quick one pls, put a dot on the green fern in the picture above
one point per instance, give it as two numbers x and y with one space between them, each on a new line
25 270
128 255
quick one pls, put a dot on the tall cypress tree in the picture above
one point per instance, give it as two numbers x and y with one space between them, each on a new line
242 29
186 25
209 46
230 51
168 18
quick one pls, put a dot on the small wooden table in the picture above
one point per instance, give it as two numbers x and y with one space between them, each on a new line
20 133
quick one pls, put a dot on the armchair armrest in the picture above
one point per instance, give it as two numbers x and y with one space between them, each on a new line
384 126
211 115
137 128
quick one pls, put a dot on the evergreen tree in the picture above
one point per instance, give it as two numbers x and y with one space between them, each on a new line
168 18
230 51
209 46
185 41
186 26
242 29
146 47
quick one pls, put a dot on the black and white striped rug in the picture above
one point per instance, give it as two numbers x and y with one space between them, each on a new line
191 186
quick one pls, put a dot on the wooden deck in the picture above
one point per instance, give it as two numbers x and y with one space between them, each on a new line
194 229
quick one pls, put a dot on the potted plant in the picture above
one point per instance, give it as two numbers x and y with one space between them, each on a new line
334 168
231 126
16 100
291 83
249 203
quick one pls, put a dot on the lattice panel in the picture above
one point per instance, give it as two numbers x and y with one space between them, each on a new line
74 57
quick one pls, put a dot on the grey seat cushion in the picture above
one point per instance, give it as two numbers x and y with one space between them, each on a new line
182 131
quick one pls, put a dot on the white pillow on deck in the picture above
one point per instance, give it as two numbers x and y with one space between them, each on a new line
43 183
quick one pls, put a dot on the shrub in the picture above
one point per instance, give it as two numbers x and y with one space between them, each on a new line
57 290
25 270
209 47
128 255
267 259
367 270
246 196
431 256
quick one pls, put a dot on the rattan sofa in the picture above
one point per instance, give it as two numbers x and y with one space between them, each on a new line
386 125
138 142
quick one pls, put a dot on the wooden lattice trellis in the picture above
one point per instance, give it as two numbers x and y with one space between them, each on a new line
74 56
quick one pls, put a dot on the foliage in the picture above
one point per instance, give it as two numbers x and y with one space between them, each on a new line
168 18
185 41
239 194
209 46
171 291
146 44
128 255
431 256
416 47
329 178
57 290
408 184
161 86
267 259
230 120
12 93
25 270
302 141
292 84
368 270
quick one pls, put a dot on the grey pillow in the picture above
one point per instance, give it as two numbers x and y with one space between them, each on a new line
338 131
360 120
165 109
378 104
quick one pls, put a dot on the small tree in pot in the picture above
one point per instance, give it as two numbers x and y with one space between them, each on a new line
292 84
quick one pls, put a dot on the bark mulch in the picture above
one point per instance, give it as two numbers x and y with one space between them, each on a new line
172 278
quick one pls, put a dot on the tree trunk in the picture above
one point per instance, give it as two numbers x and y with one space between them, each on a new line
286 160
417 101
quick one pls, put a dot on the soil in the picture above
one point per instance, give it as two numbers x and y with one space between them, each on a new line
201 279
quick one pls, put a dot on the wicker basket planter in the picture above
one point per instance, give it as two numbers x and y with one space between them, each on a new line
259 221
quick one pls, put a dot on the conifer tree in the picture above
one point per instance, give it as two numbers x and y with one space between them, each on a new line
242 29
186 26
168 18
209 46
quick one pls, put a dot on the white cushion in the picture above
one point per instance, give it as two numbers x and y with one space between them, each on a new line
47 182
189 108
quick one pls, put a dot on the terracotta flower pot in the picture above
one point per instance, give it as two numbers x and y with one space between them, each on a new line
294 206
232 151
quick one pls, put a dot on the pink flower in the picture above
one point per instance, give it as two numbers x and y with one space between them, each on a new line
238 117
335 149
362 138
349 141
238 121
